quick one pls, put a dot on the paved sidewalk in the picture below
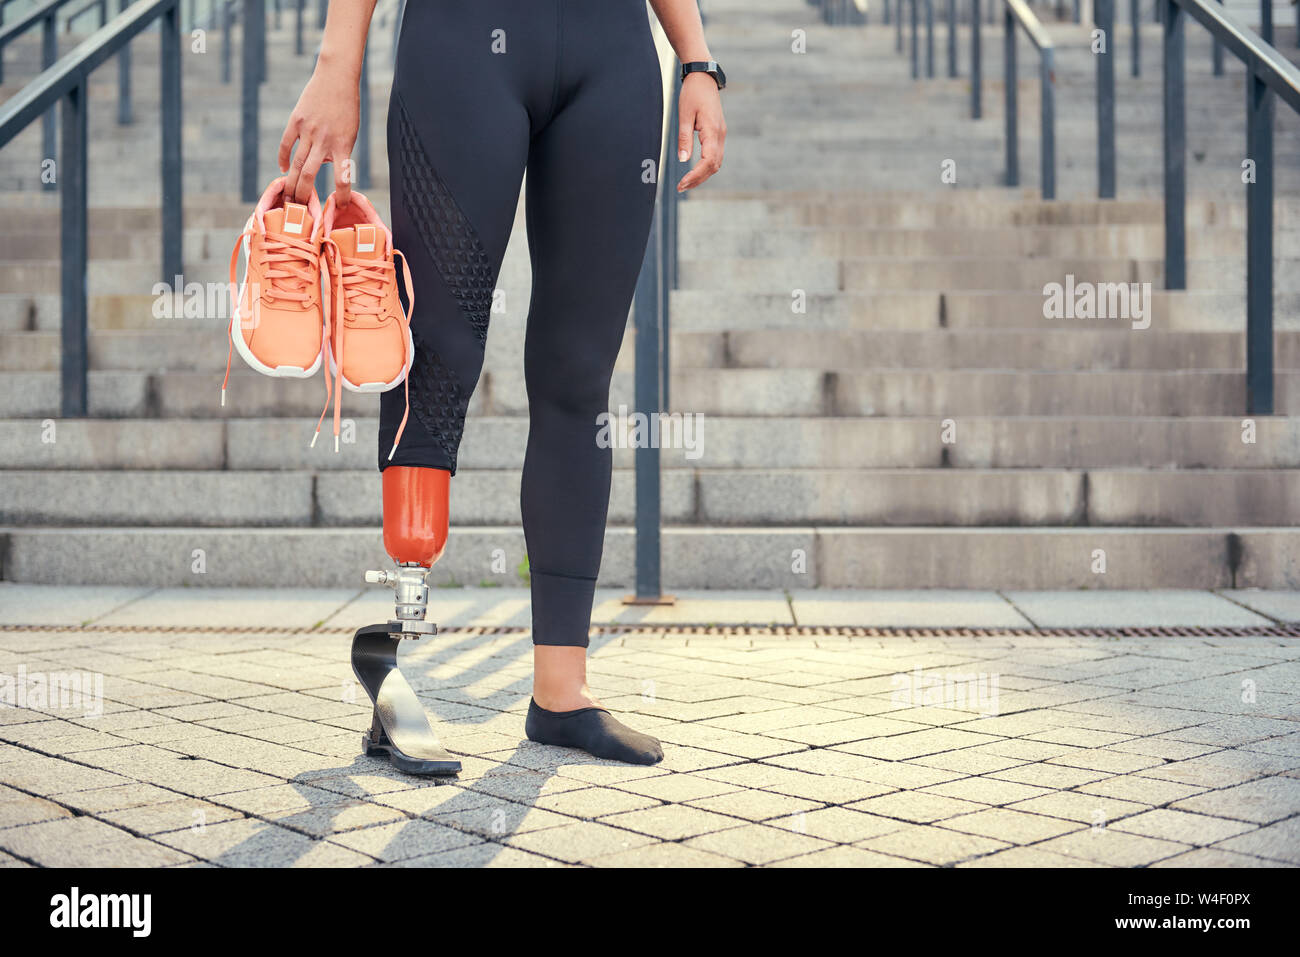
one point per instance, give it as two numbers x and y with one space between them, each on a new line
222 744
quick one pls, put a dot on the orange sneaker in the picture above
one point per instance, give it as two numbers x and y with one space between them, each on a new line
368 341
277 322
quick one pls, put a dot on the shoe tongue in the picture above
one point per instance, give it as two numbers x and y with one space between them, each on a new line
360 242
291 220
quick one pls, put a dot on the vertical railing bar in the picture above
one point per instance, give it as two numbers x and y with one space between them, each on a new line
1135 16
172 196
49 137
249 103
1217 54
297 26
74 395
361 153
952 38
898 27
647 376
929 38
976 67
1105 20
1009 77
124 111
1047 128
1259 248
916 40
227 15
1175 146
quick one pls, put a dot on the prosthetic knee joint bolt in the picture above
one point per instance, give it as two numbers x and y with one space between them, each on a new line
415 534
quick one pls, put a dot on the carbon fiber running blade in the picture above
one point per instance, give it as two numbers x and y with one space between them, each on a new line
401 728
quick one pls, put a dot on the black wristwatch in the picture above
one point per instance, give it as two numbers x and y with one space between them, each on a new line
706 66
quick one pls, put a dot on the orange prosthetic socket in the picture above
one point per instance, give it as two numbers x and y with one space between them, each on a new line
415 514
415 534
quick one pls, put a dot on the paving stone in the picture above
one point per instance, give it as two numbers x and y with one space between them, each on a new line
672 822
1213 857
838 824
1027 857
405 839
486 854
1276 842
757 843
580 841
986 790
932 845
1089 809
151 819
846 856
1171 825
664 855
1263 801
1106 845
1014 827
916 806
755 805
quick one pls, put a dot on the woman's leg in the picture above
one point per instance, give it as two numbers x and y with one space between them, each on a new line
590 196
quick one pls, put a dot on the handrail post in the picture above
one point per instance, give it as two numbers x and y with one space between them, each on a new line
885 13
248 107
397 28
1009 75
952 38
929 38
1266 20
1217 54
124 76
668 253
227 15
1259 248
321 9
1047 128
976 67
1135 20
647 376
916 40
49 53
898 28
172 197
74 398
297 27
1175 147
361 151
1104 17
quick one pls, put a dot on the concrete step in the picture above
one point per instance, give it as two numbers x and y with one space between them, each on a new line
985 558
729 392
1012 442
1058 347
751 498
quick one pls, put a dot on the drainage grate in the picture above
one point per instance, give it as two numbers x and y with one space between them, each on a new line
714 631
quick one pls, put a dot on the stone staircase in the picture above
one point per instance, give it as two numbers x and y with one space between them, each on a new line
884 403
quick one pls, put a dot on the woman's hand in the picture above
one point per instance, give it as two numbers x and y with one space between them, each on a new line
324 125
699 110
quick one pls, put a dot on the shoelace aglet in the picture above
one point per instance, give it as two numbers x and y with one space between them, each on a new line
392 452
336 443
313 439
223 397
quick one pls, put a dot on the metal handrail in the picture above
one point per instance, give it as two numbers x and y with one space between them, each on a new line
66 83
1269 76
1017 13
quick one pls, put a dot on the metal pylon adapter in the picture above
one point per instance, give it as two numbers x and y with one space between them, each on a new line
399 726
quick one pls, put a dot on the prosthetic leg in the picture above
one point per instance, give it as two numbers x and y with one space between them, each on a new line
415 534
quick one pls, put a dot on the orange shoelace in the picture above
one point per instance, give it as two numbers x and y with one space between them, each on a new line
357 288
293 268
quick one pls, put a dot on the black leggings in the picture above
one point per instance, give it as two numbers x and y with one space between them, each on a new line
572 90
